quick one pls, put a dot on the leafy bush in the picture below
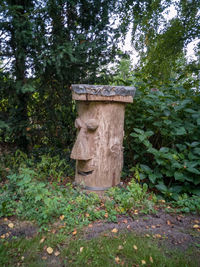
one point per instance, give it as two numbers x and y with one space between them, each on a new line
133 197
187 204
162 138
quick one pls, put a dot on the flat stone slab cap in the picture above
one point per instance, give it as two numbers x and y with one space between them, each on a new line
103 90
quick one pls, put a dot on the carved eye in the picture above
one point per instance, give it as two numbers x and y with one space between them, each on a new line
92 124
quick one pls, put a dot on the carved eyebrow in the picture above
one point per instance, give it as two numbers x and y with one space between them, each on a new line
79 123
92 124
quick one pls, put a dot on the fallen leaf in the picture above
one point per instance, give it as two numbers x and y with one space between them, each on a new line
168 222
151 259
87 215
44 257
114 230
125 221
157 236
147 235
106 215
42 240
117 260
22 258
120 247
143 262
57 253
196 226
62 217
3 236
196 221
7 234
5 219
81 249
153 226
162 201
49 250
135 247
74 232
128 227
105 235
10 225
90 225
136 212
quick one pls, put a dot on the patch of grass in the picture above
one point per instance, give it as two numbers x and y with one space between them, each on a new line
127 249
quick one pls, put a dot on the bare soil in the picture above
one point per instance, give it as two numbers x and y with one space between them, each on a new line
175 231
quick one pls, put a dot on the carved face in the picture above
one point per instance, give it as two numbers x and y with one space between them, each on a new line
82 149
98 147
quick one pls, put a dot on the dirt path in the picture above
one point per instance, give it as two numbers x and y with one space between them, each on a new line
172 229
176 231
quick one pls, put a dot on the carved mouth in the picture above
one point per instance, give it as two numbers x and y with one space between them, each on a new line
85 173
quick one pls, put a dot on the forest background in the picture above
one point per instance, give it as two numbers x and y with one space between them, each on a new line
46 46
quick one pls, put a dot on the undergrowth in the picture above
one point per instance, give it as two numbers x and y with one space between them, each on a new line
35 191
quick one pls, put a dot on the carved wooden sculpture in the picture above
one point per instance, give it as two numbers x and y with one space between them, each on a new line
98 149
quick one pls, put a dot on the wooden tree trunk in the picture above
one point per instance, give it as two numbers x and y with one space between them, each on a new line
98 149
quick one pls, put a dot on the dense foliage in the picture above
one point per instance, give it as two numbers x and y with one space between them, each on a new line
162 138
47 46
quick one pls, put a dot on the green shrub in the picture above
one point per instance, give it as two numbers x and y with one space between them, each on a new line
163 138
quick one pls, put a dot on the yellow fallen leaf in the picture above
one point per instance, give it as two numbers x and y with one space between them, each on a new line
62 217
151 259
87 215
143 262
117 260
168 222
196 221
3 236
81 249
153 226
49 250
147 235
135 247
120 247
10 225
57 253
114 230
106 215
42 240
157 236
5 219
196 226
162 201
74 232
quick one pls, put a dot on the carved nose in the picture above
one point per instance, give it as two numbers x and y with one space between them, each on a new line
81 149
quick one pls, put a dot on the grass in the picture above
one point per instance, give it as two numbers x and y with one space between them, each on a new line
125 249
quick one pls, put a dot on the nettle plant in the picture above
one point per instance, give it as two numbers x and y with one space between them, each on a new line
163 139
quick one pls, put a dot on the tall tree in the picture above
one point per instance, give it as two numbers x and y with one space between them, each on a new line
160 41
16 31
51 45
